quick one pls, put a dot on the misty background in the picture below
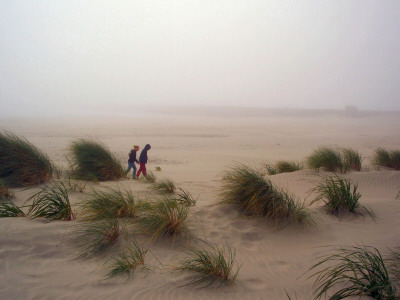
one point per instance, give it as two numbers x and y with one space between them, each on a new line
93 56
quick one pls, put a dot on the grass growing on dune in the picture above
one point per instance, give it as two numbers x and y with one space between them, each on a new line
51 202
339 195
165 217
352 160
184 197
166 186
211 265
353 271
110 202
284 166
256 195
130 260
327 158
92 160
149 178
96 237
22 163
387 158
8 209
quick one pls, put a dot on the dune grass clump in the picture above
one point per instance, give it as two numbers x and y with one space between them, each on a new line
110 202
5 192
165 217
51 202
93 161
255 195
166 186
339 195
387 158
211 265
130 260
22 163
328 158
184 198
149 178
352 159
9 210
96 237
284 166
356 271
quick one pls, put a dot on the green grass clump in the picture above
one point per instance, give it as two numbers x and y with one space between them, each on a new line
130 260
283 166
327 158
22 163
93 161
5 192
158 169
339 195
387 158
166 186
211 265
165 217
357 271
96 237
288 166
8 209
184 197
51 202
255 195
149 178
110 202
352 160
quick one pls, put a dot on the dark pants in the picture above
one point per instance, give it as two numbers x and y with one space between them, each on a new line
142 169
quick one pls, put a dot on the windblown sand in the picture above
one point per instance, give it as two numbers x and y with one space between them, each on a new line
39 261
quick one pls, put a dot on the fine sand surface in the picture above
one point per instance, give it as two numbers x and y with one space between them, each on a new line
39 261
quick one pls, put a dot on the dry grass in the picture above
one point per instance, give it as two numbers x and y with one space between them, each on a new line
166 186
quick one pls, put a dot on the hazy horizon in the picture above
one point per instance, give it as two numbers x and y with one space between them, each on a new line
91 56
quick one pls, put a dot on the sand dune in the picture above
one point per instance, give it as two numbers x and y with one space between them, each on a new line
38 259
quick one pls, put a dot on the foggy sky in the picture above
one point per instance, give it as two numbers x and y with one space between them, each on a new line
81 55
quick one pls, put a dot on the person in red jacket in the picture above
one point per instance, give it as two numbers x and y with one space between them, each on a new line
131 161
143 161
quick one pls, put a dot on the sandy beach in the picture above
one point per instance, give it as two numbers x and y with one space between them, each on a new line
39 261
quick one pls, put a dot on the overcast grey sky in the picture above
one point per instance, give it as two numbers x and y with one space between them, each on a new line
73 55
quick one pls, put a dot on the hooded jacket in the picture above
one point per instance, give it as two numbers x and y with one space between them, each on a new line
143 154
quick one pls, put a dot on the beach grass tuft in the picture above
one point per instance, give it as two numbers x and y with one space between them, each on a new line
166 186
211 264
387 158
283 166
130 260
51 202
96 237
353 271
165 217
22 163
339 195
352 160
93 161
149 178
184 197
328 158
249 190
110 202
9 209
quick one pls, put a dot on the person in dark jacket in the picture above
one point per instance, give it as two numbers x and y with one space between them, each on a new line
143 161
131 161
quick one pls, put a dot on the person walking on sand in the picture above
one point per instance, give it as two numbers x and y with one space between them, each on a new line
131 161
143 161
